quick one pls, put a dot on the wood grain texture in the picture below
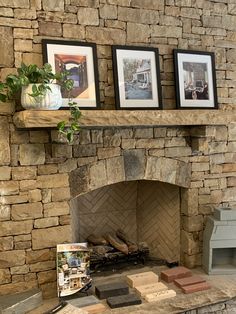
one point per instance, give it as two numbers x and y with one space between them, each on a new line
102 118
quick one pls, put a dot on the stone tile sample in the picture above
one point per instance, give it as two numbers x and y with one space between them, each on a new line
110 290
141 279
150 288
196 287
188 281
175 273
161 295
123 300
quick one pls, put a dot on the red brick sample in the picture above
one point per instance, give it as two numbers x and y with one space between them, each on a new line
188 281
170 275
197 287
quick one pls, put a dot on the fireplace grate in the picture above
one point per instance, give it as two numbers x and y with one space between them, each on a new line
98 261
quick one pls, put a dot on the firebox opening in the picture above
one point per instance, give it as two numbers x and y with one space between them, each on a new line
146 211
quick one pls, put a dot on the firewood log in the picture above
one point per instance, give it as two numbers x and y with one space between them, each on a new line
132 247
117 243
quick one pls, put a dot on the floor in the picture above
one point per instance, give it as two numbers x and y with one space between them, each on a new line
223 288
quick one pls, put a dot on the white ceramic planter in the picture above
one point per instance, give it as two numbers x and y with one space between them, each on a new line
51 101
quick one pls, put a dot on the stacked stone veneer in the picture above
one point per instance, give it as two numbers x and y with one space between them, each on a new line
39 175
167 24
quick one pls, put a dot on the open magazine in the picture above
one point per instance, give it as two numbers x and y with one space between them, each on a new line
72 268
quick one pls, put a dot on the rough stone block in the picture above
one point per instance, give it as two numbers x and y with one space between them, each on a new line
110 290
123 300
5 173
12 258
108 36
27 211
196 287
15 227
46 222
56 209
6 42
50 29
52 236
53 181
53 5
73 31
115 170
12 288
135 162
161 295
188 281
6 243
9 187
24 173
38 256
170 275
42 266
88 16
141 279
32 154
4 135
5 277
47 276
151 288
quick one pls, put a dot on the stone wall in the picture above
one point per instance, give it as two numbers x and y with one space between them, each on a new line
39 174
187 24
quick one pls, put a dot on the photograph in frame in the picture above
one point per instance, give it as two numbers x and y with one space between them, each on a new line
79 59
136 77
195 79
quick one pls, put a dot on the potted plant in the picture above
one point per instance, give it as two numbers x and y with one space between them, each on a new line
39 92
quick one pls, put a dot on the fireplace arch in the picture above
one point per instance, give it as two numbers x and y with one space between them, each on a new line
135 192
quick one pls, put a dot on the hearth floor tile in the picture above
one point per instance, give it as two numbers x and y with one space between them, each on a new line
223 288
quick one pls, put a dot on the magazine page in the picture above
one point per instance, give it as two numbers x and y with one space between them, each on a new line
72 268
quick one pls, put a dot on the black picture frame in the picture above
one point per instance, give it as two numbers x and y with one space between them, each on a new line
80 58
137 82
195 79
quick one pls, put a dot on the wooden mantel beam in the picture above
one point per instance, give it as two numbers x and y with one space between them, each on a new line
118 118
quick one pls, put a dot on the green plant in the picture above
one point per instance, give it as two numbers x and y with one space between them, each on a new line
73 127
40 78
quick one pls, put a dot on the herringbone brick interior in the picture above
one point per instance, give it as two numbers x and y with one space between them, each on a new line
105 210
158 218
147 211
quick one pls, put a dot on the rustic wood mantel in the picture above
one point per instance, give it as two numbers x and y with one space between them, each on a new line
118 118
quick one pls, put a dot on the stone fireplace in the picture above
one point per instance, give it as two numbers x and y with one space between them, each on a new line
157 182
157 167
147 211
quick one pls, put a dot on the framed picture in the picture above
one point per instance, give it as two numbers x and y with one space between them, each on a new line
136 77
195 79
80 60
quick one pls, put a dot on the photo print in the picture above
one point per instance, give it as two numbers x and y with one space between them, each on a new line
195 79
137 77
80 61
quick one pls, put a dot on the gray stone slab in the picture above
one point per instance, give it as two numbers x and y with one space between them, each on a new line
84 301
123 300
21 303
111 290
225 213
